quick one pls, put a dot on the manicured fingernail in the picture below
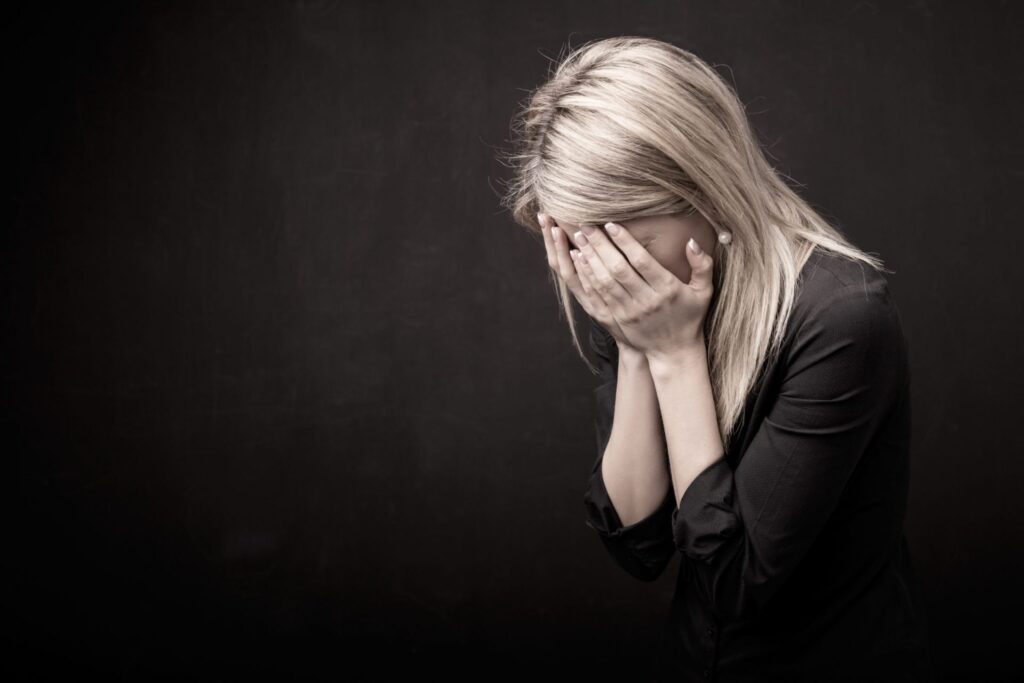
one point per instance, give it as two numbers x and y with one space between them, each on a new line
581 239
588 229
612 229
694 246
554 232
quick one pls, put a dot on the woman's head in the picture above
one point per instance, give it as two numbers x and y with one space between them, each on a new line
627 128
640 132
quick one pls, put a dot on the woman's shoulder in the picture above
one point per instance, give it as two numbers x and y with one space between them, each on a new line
840 298
826 271
829 278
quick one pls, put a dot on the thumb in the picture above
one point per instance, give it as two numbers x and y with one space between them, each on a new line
701 265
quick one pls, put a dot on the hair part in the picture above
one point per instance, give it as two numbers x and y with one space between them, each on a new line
629 127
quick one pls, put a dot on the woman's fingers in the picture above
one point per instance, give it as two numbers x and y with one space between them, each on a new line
563 259
565 266
653 273
582 270
549 245
586 275
557 244
701 267
610 273
600 310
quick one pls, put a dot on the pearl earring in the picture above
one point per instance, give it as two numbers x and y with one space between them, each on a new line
725 237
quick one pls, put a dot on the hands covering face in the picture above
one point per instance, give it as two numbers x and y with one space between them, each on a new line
618 283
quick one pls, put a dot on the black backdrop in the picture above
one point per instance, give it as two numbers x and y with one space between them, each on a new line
288 395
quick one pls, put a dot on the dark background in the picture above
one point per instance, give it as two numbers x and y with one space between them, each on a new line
288 395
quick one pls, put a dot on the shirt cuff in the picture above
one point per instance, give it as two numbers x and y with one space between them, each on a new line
640 547
706 518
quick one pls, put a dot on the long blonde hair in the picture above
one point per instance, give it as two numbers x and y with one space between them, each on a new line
629 127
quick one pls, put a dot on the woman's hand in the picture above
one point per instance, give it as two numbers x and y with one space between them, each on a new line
655 311
559 260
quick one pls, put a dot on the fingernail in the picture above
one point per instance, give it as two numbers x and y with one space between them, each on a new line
581 239
612 229
554 232
694 246
588 229
540 219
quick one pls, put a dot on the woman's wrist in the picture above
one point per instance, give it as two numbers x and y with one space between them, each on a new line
680 361
632 359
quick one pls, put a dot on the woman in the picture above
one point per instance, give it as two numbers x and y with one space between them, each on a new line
753 415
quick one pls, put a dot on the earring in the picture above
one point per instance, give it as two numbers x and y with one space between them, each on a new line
725 237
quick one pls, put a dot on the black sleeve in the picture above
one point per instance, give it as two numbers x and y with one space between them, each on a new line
743 532
644 548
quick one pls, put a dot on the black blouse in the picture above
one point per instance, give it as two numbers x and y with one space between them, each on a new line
794 563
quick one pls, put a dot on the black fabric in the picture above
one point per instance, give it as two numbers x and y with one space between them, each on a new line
793 560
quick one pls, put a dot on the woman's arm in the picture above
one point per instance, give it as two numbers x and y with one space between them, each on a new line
745 532
687 404
635 467
629 500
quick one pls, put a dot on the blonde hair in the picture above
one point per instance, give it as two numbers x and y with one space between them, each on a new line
629 127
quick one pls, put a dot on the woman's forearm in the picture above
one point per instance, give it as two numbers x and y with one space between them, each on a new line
635 465
686 400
